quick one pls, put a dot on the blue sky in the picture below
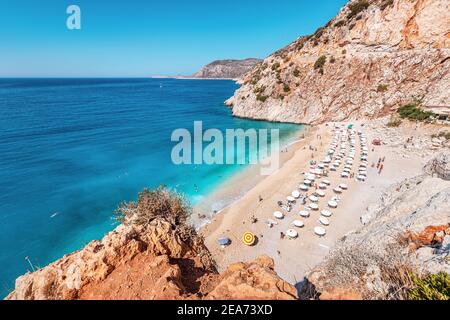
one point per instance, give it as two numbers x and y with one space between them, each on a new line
137 38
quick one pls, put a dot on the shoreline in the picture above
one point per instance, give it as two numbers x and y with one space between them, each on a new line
226 195
295 258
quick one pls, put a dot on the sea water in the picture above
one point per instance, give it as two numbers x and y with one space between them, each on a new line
72 149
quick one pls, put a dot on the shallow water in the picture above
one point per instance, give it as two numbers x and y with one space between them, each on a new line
73 149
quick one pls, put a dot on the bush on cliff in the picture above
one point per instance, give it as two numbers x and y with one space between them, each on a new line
431 287
357 7
413 111
320 62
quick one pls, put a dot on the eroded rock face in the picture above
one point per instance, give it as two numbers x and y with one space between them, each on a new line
381 58
148 262
406 232
253 281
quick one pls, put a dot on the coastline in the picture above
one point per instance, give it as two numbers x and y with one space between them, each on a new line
226 194
295 258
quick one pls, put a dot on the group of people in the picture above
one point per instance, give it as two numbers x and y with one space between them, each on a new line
380 164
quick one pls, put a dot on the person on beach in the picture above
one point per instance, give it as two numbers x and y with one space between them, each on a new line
381 168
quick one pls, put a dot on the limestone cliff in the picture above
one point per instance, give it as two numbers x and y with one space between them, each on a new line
226 69
407 232
372 57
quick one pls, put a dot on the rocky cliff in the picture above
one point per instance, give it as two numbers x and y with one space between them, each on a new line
371 58
226 69
407 232
153 254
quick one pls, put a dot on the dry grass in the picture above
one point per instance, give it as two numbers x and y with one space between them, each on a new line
389 272
171 206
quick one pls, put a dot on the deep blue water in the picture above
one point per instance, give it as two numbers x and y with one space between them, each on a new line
72 149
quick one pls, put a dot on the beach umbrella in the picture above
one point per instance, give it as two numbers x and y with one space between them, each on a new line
307 182
313 198
290 198
304 187
337 190
343 186
295 194
278 215
291 233
313 206
320 193
327 182
322 186
333 168
310 176
298 223
321 165
248 238
324 221
332 204
344 175
320 231
346 170
224 241
361 178
326 213
304 213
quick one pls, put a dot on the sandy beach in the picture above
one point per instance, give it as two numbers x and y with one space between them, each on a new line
295 257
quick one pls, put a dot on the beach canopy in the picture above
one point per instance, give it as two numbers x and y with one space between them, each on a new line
295 194
324 221
313 206
290 198
298 223
291 233
313 198
343 186
278 215
320 231
248 238
327 182
304 213
224 241
322 186
320 193
344 174
337 190
304 187
361 178
326 213
332 204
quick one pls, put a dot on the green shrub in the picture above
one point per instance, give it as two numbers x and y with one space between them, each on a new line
320 62
357 7
386 3
431 287
412 111
275 66
286 88
394 122
261 98
258 90
296 73
382 88
332 60
340 23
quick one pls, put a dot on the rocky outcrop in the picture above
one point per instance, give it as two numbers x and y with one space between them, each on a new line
226 69
252 281
370 59
151 255
408 232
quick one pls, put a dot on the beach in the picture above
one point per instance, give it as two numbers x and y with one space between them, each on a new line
295 257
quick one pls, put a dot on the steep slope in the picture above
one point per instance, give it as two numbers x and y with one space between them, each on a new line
226 69
372 57
153 254
407 232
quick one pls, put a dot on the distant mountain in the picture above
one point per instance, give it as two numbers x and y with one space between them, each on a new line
226 69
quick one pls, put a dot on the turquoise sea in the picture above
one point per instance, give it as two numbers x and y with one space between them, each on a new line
72 149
